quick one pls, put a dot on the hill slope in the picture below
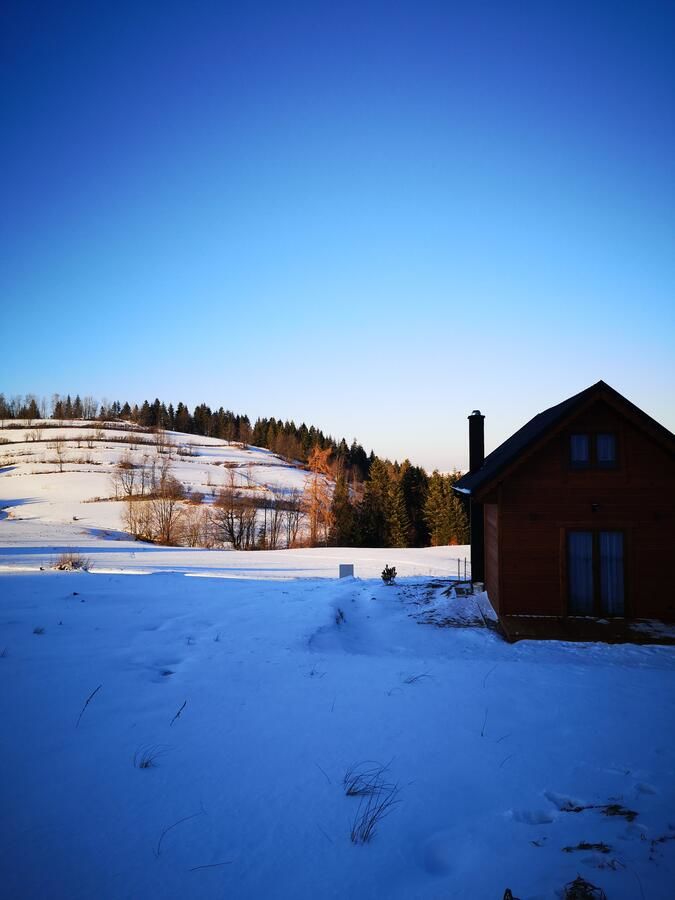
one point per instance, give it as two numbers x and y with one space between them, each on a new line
64 474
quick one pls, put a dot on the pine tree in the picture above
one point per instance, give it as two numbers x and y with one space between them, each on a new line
342 514
459 520
444 511
243 429
183 420
30 409
436 511
374 507
414 484
145 417
398 524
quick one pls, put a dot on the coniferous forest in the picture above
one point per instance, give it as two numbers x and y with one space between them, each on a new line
375 502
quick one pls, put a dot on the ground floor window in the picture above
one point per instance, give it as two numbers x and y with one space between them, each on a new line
595 573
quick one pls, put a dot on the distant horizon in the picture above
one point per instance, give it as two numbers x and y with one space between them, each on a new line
371 218
491 442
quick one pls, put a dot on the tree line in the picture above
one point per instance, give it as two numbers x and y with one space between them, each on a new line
398 505
285 438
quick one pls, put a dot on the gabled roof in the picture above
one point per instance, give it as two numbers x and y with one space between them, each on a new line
538 428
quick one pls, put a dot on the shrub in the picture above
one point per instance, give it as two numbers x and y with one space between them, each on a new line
580 889
71 562
389 574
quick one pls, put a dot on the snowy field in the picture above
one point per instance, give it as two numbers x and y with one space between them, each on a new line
284 685
172 736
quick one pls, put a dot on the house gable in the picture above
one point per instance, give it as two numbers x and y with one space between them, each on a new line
548 426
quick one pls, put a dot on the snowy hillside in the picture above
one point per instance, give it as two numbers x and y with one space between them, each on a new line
61 475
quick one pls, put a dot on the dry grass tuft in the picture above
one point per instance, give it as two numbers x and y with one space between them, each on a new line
372 809
72 562
146 757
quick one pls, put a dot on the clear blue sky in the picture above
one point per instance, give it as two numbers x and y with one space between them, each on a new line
373 217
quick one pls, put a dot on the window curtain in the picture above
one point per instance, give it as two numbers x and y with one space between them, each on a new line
611 573
580 572
606 449
579 448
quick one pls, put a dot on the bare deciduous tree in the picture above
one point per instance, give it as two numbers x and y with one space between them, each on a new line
89 408
276 517
157 515
196 529
124 477
234 516
292 515
59 446
137 518
162 441
166 505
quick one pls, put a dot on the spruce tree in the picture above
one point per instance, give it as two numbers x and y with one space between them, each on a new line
436 511
459 520
374 507
398 524
342 514
414 484
183 420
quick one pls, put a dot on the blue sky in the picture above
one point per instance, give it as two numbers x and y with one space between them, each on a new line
374 217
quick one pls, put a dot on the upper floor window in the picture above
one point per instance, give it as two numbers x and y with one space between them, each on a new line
605 449
580 450
593 450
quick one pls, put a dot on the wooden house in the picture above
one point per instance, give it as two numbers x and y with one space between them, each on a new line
574 514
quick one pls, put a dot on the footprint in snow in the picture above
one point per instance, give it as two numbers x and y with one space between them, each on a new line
439 851
643 788
531 816
563 802
164 669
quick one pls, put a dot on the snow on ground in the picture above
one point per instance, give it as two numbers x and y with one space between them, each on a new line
28 544
286 684
254 688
